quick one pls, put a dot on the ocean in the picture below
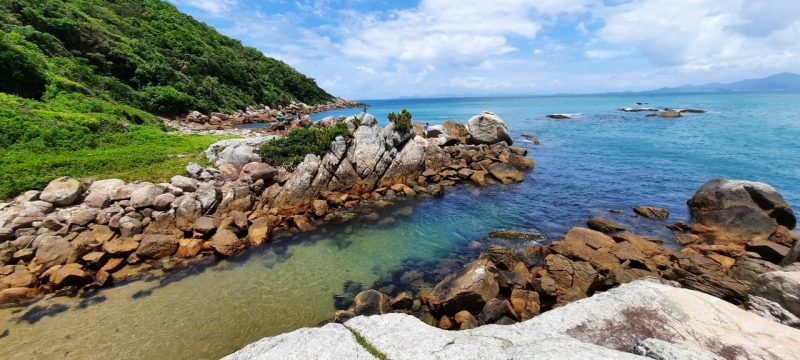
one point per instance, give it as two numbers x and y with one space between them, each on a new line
599 161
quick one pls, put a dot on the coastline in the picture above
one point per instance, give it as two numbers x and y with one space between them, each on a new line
119 230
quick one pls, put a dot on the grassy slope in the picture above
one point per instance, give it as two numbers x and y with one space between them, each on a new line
80 81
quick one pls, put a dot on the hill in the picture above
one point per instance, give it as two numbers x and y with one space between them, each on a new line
83 81
778 82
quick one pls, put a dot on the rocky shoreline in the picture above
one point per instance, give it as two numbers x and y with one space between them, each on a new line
296 114
729 292
737 242
76 237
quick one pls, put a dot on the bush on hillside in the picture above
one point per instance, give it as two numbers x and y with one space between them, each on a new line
292 149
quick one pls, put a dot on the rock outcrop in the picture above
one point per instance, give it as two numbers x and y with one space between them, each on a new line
641 317
738 211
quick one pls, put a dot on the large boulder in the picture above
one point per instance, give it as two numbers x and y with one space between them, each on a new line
468 289
156 246
488 128
145 196
235 151
739 211
63 191
52 250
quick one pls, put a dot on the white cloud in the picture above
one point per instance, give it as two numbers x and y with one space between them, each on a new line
455 31
703 35
605 53
211 7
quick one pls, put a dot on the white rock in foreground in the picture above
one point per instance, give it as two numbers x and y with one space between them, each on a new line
608 326
332 341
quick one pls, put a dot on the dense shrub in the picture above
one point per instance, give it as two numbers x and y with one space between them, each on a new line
165 100
401 121
292 149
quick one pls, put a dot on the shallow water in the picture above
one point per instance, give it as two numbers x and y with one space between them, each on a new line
599 161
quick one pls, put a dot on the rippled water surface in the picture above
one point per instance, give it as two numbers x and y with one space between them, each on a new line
599 161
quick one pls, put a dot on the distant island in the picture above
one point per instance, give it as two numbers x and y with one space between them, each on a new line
785 81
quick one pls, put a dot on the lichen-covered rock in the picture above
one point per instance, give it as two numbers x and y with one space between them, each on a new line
739 211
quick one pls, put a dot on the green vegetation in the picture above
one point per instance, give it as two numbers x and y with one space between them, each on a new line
292 149
402 121
83 138
143 53
367 346
80 81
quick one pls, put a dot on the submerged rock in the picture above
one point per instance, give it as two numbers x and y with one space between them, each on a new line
653 213
516 234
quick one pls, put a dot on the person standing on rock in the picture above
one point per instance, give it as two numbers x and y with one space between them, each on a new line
425 129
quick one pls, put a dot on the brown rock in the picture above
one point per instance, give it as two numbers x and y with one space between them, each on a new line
592 238
494 310
53 250
782 236
17 295
371 302
604 225
652 213
23 255
229 171
739 211
503 257
320 208
206 224
258 171
468 289
94 258
445 323
259 232
478 177
686 239
120 247
70 275
525 303
18 278
155 246
226 243
507 174
521 162
768 250
102 233
403 301
189 248
112 265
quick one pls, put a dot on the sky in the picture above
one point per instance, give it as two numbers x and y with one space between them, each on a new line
377 49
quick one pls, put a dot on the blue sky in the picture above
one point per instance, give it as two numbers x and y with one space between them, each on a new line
362 49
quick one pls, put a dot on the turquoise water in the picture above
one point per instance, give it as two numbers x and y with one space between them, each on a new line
601 160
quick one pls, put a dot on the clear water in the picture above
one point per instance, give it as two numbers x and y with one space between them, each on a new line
599 161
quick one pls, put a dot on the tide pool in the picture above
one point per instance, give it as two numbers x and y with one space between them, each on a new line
599 161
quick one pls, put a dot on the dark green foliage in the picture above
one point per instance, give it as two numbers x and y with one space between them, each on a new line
401 121
142 53
293 148
80 81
